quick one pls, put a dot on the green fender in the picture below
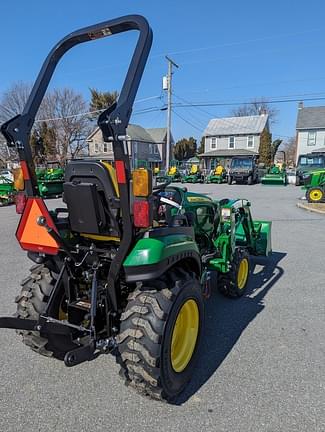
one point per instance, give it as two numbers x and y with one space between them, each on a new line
151 257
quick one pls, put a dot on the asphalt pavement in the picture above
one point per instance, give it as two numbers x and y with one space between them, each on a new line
262 365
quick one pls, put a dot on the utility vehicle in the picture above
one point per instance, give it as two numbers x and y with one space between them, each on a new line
124 267
243 169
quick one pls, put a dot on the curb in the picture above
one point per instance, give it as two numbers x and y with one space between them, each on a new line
309 208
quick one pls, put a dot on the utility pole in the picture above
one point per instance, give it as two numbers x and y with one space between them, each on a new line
171 63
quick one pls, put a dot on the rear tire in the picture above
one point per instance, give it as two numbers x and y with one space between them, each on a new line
32 302
154 359
234 283
250 180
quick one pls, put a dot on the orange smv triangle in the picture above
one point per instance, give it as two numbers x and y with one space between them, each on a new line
33 237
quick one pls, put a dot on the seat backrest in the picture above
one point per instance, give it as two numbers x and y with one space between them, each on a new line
194 169
91 195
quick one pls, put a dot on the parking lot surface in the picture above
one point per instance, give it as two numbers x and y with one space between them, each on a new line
262 363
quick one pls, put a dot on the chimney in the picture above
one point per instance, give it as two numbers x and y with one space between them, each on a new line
300 105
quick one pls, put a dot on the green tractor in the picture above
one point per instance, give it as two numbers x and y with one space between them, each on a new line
277 174
194 176
124 267
7 191
173 174
315 186
218 175
50 180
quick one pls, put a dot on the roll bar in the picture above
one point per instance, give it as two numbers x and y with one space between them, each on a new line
113 121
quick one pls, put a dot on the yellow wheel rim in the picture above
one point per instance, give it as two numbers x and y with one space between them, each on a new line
316 195
242 273
185 334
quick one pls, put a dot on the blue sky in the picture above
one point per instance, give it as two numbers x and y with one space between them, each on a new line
228 52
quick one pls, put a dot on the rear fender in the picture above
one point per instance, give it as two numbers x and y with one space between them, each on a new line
152 257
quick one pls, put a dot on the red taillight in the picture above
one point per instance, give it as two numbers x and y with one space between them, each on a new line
142 214
32 236
20 201
120 172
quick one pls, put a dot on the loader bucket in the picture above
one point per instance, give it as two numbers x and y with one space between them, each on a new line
263 240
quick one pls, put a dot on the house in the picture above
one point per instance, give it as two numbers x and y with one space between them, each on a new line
143 145
227 137
310 130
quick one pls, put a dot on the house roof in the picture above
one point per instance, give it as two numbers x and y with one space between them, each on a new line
236 125
311 118
228 153
138 133
158 134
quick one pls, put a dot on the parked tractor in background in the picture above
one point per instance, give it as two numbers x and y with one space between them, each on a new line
124 267
7 191
308 163
50 180
276 174
195 175
243 169
218 175
314 184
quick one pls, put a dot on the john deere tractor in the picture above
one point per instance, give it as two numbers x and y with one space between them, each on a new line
218 175
7 191
314 184
194 176
50 180
123 267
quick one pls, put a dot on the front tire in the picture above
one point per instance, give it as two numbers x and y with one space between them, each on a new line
229 180
160 334
234 283
315 195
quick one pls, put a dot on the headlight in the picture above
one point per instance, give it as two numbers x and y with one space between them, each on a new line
225 214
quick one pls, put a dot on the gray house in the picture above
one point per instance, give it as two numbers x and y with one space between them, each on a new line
310 130
232 136
143 145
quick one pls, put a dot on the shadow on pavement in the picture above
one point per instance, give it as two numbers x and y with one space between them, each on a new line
226 319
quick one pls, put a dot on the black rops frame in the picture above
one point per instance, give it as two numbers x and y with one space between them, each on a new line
113 121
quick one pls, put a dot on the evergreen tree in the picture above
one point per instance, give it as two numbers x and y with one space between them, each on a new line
101 100
185 148
265 150
202 146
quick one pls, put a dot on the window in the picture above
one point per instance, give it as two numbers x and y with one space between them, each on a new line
231 142
250 141
96 147
150 148
156 149
311 141
105 147
213 143
135 148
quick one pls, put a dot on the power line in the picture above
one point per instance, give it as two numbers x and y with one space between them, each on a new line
186 121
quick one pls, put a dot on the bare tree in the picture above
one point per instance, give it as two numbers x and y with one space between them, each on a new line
60 109
290 148
13 100
256 107
64 110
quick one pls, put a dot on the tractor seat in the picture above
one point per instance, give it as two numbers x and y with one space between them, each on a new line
91 193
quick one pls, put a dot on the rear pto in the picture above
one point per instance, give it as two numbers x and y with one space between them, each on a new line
124 267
